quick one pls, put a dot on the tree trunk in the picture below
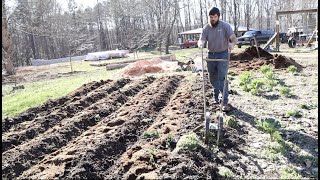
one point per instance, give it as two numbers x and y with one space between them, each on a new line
201 14
189 15
7 42
235 17
176 11
31 42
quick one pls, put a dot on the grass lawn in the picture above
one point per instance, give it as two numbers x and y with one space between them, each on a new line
36 93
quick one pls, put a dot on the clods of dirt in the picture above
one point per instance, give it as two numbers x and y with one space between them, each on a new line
281 61
250 53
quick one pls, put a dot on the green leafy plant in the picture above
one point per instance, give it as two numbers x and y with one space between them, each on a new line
305 106
224 172
265 68
276 136
151 134
289 173
285 91
270 84
268 125
294 113
269 75
245 80
292 69
232 122
152 151
188 142
256 86
276 147
169 140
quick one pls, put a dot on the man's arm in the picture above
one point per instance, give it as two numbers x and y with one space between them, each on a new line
233 41
202 39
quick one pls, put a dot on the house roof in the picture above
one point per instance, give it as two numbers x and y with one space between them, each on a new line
199 30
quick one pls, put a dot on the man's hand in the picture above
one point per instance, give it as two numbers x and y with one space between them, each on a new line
231 46
233 41
200 43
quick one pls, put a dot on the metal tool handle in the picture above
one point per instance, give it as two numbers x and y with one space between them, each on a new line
216 60
225 83
206 119
220 118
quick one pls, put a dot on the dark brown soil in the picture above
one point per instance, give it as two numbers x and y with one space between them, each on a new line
249 60
281 61
251 53
101 136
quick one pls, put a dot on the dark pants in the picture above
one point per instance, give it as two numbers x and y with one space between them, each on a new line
217 72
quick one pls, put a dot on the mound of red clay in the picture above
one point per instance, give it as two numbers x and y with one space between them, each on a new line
143 66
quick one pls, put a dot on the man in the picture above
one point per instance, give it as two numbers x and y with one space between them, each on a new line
221 40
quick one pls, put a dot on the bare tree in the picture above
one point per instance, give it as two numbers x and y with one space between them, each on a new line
173 13
223 9
234 13
201 13
6 42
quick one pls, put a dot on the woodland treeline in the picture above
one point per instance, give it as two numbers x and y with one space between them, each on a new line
41 29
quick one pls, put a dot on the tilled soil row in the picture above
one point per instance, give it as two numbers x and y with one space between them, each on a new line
90 155
200 163
181 116
41 124
51 105
22 157
138 161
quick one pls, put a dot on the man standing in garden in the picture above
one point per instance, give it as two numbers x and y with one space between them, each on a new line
220 40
